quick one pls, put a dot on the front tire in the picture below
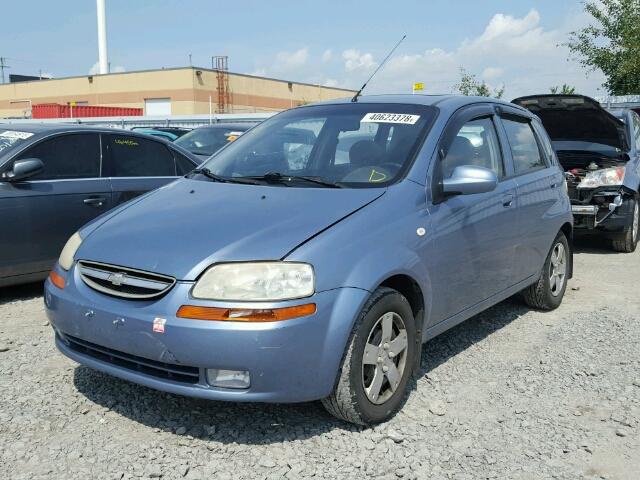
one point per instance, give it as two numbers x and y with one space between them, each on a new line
627 241
372 383
548 291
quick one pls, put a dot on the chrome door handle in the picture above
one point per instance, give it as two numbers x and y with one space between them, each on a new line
507 200
95 201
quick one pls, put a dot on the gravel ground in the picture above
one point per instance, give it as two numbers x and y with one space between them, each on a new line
511 393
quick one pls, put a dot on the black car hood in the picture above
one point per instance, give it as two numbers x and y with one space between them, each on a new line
576 118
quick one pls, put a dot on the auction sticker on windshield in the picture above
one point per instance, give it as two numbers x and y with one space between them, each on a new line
15 134
403 118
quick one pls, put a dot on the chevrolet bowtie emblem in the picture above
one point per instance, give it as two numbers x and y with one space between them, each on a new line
117 279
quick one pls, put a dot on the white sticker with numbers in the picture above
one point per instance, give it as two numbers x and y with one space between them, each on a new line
15 134
403 118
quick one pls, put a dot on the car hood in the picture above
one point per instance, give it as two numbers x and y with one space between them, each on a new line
184 227
576 118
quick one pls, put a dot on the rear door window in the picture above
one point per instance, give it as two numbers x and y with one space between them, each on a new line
133 156
67 156
545 142
524 146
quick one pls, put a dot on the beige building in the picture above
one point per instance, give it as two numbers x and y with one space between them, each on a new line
172 91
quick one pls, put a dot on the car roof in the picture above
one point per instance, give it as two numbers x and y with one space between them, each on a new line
41 130
50 128
443 102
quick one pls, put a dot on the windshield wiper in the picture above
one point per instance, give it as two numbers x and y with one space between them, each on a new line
209 174
277 177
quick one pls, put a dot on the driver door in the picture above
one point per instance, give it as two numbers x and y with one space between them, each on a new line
473 242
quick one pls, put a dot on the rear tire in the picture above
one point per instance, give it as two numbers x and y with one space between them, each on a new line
627 241
548 291
372 383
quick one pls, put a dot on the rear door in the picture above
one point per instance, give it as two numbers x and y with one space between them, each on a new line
40 214
539 185
137 165
474 239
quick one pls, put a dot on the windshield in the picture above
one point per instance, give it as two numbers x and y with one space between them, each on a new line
10 139
353 145
208 140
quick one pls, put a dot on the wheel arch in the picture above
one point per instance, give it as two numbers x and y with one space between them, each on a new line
408 287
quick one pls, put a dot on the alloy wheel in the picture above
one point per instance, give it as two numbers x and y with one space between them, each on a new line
384 358
557 269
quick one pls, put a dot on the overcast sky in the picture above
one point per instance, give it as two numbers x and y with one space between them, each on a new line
515 43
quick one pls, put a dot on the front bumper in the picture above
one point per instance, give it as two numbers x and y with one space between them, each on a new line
604 211
289 361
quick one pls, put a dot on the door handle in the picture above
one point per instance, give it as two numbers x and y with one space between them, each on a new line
507 200
95 201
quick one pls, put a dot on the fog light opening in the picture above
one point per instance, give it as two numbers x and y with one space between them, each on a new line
228 378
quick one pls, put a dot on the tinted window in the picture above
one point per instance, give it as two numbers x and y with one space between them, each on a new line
545 142
67 156
138 157
476 143
183 164
524 146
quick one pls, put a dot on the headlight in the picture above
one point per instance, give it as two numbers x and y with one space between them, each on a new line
69 251
602 178
259 281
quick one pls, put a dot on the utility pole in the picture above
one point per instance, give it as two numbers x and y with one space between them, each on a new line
103 62
3 65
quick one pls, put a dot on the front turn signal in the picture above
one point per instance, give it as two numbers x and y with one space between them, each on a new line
57 279
245 314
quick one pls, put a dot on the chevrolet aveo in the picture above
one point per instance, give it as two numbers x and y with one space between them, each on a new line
311 258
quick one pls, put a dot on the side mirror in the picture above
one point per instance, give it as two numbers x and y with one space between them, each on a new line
23 169
467 180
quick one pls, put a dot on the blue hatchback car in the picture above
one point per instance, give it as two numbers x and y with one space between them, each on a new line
312 257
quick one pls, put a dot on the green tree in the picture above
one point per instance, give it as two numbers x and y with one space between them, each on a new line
563 90
611 43
470 85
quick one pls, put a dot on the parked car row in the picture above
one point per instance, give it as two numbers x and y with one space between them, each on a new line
310 258
54 179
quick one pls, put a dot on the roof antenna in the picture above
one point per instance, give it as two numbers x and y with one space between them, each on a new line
355 97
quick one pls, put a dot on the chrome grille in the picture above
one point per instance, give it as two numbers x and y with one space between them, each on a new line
124 282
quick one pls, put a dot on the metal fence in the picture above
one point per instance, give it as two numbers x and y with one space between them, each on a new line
149 121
